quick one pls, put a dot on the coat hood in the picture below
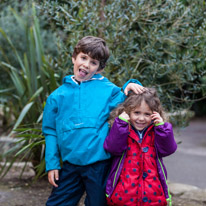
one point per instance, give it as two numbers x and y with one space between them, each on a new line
70 78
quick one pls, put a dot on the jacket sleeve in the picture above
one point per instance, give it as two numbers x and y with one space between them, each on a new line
52 156
164 139
116 141
117 97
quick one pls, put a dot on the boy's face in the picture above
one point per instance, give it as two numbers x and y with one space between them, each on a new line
85 67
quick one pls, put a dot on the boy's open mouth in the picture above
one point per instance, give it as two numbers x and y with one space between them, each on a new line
83 72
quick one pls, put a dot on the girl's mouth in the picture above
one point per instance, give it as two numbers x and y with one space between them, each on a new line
140 124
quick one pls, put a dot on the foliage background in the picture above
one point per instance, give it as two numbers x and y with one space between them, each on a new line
160 43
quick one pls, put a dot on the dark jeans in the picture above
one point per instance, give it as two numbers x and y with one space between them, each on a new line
74 180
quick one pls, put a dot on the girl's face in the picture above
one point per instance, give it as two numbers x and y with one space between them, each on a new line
140 117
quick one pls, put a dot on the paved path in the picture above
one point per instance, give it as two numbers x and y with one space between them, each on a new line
188 164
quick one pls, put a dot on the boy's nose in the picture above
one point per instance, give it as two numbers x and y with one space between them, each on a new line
86 64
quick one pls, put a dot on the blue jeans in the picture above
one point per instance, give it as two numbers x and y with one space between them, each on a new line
74 180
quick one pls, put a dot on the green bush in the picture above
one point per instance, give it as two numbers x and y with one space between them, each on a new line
9 24
156 42
160 43
33 77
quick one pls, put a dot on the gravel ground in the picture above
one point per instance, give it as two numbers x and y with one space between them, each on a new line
24 192
17 192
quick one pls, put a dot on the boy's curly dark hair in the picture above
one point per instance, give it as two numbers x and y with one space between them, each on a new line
95 47
134 100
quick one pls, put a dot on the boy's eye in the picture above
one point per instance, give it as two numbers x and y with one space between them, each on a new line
83 57
94 63
148 114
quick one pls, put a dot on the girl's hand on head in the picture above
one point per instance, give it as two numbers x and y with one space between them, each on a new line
124 115
136 88
156 118
53 175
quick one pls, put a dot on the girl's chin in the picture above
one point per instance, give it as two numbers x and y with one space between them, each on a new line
140 127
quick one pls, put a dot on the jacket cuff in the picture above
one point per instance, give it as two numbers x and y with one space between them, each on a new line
158 124
123 119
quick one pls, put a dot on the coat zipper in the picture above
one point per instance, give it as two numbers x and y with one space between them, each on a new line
116 175
118 169
169 200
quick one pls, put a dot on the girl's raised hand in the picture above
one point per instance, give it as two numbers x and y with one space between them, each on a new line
124 115
156 118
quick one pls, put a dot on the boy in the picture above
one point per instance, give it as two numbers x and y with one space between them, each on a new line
75 127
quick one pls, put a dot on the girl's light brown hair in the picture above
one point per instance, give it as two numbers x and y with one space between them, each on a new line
134 100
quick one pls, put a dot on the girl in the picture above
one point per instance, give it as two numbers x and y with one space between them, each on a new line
138 140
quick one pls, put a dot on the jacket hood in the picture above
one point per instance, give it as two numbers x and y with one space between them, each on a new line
70 78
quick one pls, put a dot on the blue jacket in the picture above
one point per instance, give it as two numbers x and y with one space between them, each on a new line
75 121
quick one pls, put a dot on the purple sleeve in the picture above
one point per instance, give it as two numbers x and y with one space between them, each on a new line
164 139
116 141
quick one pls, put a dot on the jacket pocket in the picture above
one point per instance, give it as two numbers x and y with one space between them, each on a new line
78 123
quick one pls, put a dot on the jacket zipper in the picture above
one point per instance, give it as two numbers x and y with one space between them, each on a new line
116 175
79 95
141 136
169 200
142 178
118 169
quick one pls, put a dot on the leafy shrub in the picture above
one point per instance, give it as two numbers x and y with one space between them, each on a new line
156 42
160 43
10 25
32 78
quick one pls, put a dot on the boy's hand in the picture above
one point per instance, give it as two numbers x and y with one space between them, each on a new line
156 118
136 88
53 175
124 115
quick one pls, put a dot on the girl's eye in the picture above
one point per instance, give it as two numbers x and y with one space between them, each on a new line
94 63
147 114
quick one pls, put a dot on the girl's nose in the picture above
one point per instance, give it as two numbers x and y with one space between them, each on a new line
141 117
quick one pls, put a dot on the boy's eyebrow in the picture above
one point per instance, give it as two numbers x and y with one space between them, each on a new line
83 54
93 58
